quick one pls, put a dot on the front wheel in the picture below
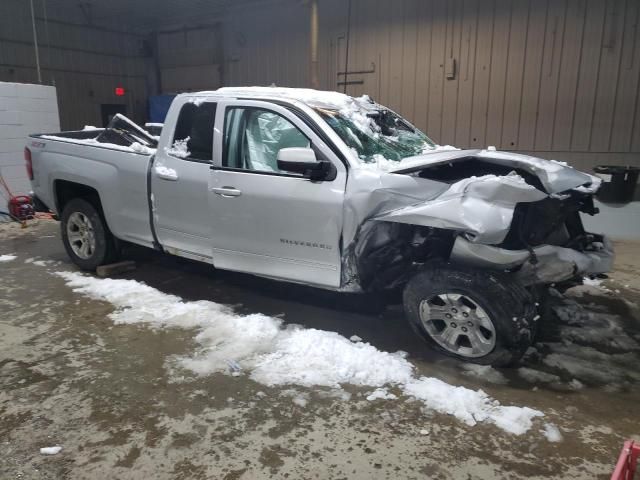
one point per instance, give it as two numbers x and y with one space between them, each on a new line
474 315
85 235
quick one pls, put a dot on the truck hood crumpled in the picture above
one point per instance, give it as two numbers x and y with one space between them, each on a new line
555 176
480 206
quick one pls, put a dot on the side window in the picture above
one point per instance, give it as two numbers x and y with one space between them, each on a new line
193 138
254 136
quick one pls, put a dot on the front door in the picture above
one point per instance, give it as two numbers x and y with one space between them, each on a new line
266 221
179 182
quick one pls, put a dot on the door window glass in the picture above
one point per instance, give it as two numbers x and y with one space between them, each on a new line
193 138
254 136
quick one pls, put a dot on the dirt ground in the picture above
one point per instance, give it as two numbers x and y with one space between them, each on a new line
70 377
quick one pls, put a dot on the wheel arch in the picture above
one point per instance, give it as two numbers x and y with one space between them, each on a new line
66 190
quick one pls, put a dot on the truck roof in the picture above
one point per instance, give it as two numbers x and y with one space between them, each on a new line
310 97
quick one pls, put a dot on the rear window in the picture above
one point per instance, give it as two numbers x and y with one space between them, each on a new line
193 137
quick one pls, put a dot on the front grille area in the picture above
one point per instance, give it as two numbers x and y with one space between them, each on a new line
552 221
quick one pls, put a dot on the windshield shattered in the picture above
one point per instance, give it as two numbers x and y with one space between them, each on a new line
376 133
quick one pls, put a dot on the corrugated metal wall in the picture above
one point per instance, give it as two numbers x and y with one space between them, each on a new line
84 63
190 59
555 77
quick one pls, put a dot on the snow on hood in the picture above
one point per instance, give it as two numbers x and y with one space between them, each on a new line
555 176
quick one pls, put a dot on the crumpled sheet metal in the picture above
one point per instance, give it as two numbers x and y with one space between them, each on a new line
554 264
372 193
555 176
482 207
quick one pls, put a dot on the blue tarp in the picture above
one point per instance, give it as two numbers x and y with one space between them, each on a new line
158 107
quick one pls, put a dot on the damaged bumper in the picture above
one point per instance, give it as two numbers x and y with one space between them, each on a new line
548 264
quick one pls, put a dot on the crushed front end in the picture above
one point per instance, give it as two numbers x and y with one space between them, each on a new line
545 244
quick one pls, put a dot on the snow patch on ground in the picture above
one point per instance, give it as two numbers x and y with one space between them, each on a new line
595 347
536 376
7 258
51 450
552 433
484 372
275 354
381 393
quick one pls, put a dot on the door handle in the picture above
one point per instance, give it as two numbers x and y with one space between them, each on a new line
227 192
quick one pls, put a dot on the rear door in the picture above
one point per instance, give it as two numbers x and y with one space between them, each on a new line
266 221
179 182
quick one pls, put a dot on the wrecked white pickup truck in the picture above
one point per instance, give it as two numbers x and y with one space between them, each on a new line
336 192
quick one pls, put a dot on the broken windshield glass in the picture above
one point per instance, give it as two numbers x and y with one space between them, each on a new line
377 132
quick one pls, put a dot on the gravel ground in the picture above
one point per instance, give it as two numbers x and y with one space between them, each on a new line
106 394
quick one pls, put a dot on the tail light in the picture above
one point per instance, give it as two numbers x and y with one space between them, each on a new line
27 159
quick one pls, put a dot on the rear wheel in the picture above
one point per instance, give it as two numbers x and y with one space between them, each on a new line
474 315
85 235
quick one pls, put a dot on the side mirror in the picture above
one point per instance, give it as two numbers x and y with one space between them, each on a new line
304 161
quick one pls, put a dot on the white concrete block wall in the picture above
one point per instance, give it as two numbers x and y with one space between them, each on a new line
24 109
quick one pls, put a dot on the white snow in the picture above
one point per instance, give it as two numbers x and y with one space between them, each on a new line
164 171
51 450
485 372
470 406
135 147
179 148
274 354
7 258
536 376
381 393
552 433
355 338
592 282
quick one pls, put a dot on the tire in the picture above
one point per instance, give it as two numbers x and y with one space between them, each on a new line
491 317
83 224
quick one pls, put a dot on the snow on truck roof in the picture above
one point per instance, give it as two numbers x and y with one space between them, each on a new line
313 98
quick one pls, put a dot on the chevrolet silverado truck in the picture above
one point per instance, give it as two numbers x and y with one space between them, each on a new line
335 192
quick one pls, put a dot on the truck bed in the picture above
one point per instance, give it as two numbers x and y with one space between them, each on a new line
113 163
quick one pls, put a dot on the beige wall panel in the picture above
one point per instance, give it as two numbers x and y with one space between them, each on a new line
453 40
515 72
483 66
438 54
498 72
466 77
609 63
409 53
533 63
568 75
588 76
423 63
549 75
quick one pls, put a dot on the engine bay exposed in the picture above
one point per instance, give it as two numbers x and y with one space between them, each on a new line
386 251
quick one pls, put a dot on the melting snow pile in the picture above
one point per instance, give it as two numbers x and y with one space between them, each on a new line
274 354
7 258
